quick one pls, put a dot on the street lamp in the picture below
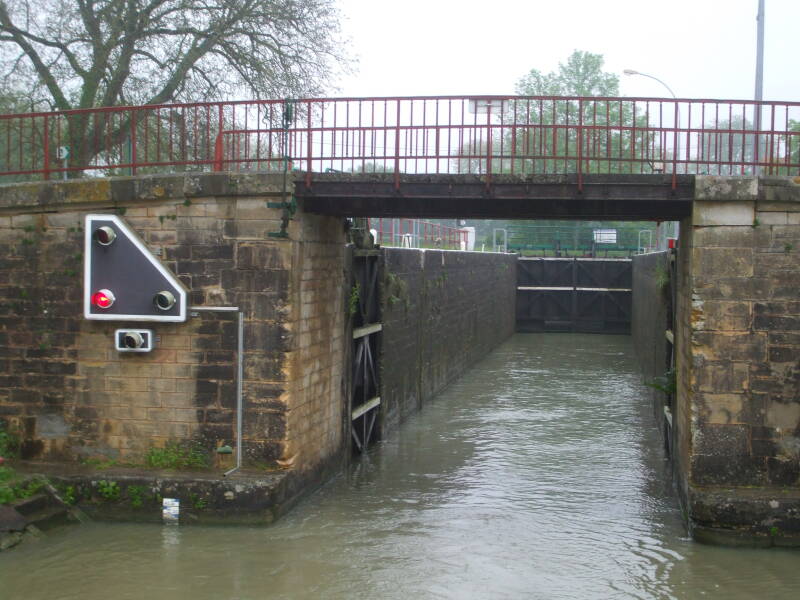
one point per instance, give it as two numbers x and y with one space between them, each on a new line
632 72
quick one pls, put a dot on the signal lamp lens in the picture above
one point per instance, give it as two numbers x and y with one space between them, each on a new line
164 300
103 299
133 339
104 236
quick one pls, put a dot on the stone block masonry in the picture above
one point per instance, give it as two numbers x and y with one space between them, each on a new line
70 396
739 360
443 311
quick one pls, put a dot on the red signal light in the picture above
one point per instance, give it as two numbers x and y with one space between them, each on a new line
103 298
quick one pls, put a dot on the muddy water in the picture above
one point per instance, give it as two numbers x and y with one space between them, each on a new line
537 475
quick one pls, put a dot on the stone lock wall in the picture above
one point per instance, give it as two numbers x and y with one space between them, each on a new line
649 322
443 311
739 356
70 396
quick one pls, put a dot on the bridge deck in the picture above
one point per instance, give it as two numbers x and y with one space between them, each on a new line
610 196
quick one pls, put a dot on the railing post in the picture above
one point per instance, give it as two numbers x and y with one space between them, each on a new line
218 152
488 145
675 148
218 143
46 134
310 148
397 150
580 145
133 155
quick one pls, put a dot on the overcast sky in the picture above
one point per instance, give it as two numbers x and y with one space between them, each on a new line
700 48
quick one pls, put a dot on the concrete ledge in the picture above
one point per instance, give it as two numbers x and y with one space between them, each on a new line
725 188
111 192
754 517
779 189
246 497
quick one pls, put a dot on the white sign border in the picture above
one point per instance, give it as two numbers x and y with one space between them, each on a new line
137 241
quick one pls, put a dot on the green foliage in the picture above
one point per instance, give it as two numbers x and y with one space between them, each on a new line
787 247
108 490
395 290
553 130
355 295
12 488
69 495
136 494
100 463
176 456
661 276
197 501
9 442
581 75
667 383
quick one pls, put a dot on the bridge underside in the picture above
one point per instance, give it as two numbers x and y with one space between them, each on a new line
610 197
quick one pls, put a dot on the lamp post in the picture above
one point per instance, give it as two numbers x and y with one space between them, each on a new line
759 93
632 72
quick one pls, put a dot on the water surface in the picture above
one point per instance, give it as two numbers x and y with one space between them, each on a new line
537 475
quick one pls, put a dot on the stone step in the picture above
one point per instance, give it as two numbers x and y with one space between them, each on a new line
28 506
50 518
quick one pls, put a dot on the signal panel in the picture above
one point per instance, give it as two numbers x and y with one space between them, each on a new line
123 280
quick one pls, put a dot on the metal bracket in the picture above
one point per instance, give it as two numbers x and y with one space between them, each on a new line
289 209
289 206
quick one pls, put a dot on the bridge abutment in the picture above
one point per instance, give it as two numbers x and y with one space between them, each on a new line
72 399
737 419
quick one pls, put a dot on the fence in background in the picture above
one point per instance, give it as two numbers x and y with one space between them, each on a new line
413 233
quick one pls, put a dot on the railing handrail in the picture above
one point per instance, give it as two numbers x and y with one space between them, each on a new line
330 99
484 134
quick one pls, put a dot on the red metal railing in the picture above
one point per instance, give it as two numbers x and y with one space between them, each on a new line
482 135
413 233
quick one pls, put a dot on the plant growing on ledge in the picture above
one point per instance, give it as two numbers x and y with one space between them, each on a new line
176 456
136 495
355 294
9 443
667 383
108 490
661 276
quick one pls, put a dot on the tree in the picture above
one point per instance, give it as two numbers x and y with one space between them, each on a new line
552 117
581 75
85 53
92 53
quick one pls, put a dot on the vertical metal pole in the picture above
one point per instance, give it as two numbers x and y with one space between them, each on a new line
46 137
132 140
239 370
759 92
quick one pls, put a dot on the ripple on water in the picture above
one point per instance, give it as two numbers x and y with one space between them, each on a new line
537 475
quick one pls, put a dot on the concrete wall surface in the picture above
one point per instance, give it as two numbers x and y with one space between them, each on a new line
649 322
443 311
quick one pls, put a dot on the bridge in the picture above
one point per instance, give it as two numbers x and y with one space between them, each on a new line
244 203
486 157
